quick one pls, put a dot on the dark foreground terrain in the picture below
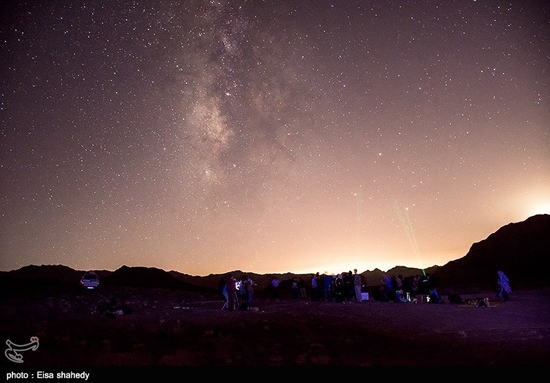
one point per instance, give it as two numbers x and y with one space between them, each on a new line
170 328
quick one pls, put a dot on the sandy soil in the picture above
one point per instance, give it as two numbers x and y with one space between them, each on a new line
175 329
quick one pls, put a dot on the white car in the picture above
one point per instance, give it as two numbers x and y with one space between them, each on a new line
90 280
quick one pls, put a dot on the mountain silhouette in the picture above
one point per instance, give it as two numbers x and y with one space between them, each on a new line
40 278
147 277
521 250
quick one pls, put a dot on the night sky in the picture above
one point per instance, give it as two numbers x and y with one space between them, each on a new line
269 136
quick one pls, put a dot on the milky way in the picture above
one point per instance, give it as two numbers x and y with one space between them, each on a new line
269 136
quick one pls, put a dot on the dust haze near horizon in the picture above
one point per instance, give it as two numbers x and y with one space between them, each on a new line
269 136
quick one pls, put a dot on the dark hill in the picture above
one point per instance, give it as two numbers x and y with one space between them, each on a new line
262 281
147 277
521 250
40 278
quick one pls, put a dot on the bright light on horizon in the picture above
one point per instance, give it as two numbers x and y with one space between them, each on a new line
543 208
343 267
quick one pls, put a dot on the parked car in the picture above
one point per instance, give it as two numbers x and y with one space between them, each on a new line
90 280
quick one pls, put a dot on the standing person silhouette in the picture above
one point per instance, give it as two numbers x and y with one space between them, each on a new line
357 284
231 287
504 286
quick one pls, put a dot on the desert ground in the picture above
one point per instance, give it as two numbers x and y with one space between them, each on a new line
171 328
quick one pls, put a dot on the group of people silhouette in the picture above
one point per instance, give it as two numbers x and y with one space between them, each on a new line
345 287
238 294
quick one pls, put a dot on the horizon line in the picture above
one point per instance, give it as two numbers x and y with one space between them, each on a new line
221 273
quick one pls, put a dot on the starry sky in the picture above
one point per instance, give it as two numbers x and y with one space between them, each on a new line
269 136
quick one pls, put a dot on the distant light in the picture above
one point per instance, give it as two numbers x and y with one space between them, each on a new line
541 209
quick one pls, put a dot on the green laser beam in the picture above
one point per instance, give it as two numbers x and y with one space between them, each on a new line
403 214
